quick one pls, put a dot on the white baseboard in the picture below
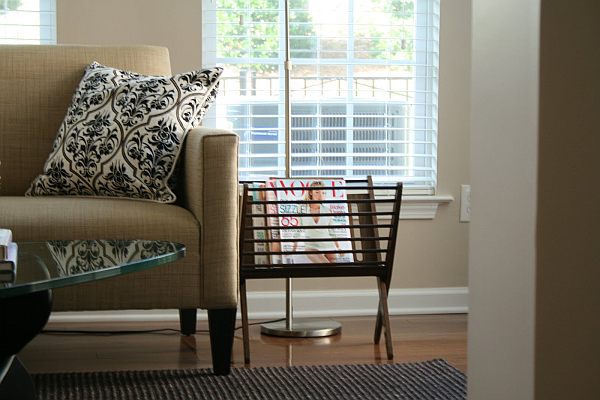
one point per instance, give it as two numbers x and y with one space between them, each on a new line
335 303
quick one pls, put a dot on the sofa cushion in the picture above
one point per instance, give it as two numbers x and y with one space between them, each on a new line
71 218
123 133
173 285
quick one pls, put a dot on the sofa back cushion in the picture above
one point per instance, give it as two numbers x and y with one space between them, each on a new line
36 87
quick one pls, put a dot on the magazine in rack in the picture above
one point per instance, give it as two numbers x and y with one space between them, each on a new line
273 222
259 234
325 226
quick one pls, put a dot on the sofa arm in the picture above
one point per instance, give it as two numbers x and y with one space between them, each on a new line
211 193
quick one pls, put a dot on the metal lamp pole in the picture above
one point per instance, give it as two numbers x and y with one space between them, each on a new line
291 328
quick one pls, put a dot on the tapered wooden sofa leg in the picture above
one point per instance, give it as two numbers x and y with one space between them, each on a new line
187 321
221 323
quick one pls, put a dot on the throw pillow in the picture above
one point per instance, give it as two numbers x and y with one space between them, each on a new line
123 133
79 256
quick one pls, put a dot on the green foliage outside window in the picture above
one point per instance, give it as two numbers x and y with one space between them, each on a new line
9 5
250 29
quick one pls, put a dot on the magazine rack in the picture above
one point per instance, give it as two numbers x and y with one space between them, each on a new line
373 243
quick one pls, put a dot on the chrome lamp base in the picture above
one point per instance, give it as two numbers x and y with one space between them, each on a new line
302 328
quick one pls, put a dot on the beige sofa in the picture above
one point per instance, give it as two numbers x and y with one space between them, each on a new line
36 85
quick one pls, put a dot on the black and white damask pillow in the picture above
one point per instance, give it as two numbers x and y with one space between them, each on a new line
73 257
123 133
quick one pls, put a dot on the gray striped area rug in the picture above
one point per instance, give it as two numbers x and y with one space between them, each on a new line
429 380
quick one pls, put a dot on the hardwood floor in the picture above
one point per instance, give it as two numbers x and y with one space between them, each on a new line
416 338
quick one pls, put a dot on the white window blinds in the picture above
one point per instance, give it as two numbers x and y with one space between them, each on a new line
27 21
363 86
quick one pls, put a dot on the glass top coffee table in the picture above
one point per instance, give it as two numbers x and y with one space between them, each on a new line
55 264
26 297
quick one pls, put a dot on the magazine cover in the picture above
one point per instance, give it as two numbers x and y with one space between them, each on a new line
273 221
259 221
321 226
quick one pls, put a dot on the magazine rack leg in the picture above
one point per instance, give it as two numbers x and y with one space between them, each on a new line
385 317
377 334
245 332
379 321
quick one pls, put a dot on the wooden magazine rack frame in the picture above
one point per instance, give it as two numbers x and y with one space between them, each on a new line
370 257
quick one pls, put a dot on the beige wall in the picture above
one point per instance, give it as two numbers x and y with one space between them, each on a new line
503 173
567 346
174 24
430 253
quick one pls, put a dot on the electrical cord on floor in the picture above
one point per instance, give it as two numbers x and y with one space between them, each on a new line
261 322
107 333
169 331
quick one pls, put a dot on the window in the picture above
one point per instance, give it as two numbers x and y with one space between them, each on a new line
363 86
27 21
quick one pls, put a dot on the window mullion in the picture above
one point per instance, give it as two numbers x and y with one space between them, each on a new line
351 87
282 111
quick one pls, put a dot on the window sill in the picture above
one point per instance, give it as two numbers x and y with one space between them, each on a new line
422 207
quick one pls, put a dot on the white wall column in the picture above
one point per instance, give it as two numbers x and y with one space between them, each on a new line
504 133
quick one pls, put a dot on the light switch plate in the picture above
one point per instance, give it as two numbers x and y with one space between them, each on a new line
465 203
